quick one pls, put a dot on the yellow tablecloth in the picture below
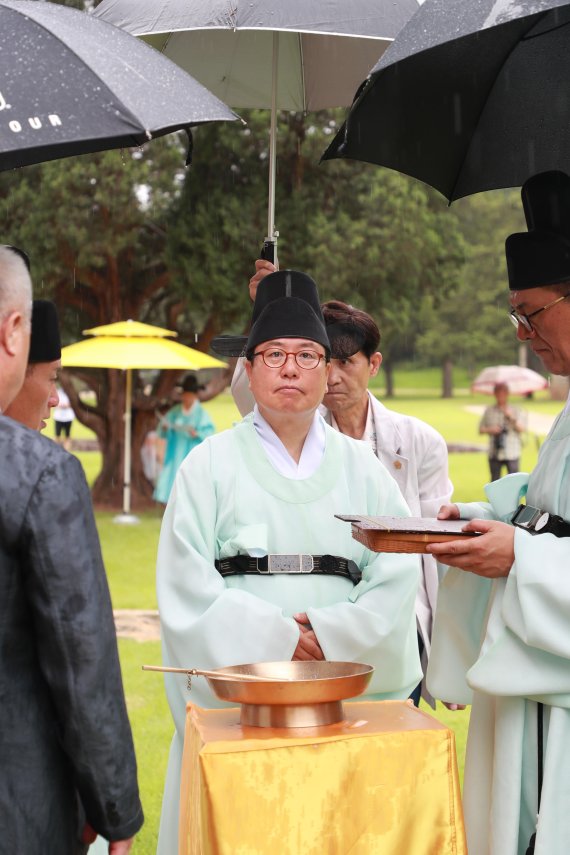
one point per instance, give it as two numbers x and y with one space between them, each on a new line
384 781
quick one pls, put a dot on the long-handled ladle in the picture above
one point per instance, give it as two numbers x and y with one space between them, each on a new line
220 675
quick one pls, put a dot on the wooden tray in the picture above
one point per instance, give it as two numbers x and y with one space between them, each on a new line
404 534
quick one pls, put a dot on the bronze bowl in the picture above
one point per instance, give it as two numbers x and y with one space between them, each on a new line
296 694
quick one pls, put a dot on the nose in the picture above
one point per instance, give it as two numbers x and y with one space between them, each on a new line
523 334
290 367
53 399
334 375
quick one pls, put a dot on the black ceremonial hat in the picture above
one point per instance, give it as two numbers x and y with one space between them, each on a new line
537 259
190 384
541 257
546 202
286 306
45 342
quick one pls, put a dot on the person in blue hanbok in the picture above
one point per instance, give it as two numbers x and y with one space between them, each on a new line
183 427
501 638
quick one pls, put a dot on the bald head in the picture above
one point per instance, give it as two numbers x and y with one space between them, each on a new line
15 317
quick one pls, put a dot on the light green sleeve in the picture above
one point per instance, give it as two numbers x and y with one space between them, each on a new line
458 627
204 623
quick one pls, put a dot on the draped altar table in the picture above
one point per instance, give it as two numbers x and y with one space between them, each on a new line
383 781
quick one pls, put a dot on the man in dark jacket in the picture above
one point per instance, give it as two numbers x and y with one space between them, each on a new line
66 755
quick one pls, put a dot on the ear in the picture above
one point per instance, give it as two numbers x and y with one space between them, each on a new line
13 334
375 363
248 367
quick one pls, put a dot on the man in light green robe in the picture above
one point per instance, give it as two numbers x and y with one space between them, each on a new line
229 499
501 636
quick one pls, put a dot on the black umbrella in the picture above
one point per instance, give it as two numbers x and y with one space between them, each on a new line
278 54
472 95
71 84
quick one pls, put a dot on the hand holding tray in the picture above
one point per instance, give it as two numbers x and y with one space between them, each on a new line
403 534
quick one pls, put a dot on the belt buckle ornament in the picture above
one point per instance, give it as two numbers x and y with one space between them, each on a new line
291 563
527 517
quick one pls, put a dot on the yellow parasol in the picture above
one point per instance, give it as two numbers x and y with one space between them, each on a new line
131 328
127 345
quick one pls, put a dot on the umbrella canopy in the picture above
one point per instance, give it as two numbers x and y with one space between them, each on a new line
131 328
72 84
296 55
470 97
137 352
126 351
520 380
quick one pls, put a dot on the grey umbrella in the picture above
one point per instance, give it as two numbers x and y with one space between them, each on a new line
471 96
71 84
279 54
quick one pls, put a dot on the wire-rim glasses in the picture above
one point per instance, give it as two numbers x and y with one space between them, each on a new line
274 357
518 318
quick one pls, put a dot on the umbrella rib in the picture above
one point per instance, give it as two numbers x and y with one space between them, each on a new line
535 20
546 32
302 62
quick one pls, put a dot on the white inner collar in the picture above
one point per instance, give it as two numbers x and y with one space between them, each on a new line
311 455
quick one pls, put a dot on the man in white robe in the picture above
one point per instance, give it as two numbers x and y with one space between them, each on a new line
272 485
502 630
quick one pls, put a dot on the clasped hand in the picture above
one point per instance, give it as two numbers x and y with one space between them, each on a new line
308 647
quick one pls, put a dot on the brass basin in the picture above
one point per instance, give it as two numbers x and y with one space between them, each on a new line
307 694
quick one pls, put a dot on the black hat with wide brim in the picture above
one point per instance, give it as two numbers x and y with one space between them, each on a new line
286 306
45 341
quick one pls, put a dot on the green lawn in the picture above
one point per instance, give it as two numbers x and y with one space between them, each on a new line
130 553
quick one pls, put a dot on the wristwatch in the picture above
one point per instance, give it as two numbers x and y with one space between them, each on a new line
537 521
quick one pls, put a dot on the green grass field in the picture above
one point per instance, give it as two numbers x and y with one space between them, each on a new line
130 553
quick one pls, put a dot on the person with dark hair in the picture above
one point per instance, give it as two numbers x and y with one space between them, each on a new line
503 424
501 639
253 566
33 403
412 451
68 768
184 426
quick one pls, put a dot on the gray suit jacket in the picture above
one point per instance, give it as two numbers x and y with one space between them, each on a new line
66 750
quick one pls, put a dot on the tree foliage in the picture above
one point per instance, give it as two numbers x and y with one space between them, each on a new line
94 227
134 234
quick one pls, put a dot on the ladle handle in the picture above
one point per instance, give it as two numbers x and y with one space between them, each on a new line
200 672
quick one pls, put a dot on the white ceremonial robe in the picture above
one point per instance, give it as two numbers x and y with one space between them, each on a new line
504 645
227 500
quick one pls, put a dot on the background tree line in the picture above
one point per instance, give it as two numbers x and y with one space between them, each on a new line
134 234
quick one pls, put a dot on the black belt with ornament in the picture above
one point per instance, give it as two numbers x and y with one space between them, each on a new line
268 565
537 521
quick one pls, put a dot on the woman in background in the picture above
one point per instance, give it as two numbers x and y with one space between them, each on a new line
185 425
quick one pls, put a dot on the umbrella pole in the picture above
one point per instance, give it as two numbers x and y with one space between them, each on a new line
272 233
126 516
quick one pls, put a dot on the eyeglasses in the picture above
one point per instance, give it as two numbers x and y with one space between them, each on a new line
518 318
274 357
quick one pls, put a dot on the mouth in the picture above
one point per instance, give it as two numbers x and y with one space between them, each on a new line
289 389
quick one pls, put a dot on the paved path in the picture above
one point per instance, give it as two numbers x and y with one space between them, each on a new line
140 624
